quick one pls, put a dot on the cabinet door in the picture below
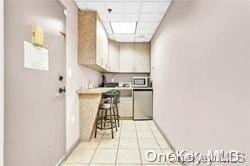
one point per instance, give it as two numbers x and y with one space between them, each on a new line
101 46
99 60
105 49
126 57
142 57
126 108
114 56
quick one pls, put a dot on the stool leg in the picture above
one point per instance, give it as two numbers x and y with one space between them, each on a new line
102 119
105 117
96 123
114 115
111 119
118 116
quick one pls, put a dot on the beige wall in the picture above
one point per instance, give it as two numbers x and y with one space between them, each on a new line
1 83
80 75
200 70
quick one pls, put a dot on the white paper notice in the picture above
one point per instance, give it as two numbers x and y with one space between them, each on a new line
35 57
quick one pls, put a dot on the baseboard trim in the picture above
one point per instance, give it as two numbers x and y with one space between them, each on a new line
167 140
60 161
165 137
66 155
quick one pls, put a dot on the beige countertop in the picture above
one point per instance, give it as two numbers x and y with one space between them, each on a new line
93 91
105 90
101 90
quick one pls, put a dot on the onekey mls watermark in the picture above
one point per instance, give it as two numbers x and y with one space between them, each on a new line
232 157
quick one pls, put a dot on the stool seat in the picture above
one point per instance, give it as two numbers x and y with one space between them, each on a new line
107 106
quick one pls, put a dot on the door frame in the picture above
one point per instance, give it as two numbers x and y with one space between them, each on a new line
1 83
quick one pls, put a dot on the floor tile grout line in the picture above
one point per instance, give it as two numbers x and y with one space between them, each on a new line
162 149
118 144
156 139
95 150
149 138
136 138
138 143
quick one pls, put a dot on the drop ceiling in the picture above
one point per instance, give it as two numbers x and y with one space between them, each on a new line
147 14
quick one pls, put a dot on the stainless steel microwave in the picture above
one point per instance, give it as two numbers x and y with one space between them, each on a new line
140 81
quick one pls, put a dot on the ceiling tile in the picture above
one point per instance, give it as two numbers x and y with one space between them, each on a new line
107 27
109 30
145 31
147 25
97 6
145 38
125 38
104 17
130 17
154 7
132 7
151 17
117 7
115 17
110 0
82 5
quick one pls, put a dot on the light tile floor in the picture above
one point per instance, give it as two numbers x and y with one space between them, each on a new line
132 142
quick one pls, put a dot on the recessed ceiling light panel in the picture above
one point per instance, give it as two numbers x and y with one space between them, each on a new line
123 27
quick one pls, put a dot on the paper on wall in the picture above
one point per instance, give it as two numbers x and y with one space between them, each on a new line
35 57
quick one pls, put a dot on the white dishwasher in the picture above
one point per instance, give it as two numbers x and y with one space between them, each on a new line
143 104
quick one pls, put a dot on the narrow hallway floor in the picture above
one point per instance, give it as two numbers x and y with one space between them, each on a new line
129 147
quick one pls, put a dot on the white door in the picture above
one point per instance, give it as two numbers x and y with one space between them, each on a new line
34 108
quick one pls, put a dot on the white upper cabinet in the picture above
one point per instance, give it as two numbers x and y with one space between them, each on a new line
114 56
101 46
126 57
135 57
92 41
142 57
97 52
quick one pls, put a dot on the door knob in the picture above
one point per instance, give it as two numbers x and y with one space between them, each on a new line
60 78
62 90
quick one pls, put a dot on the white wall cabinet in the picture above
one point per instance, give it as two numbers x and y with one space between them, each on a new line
101 46
135 57
142 57
92 41
114 57
97 52
126 57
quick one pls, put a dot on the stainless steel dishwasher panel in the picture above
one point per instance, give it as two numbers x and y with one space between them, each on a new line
143 104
